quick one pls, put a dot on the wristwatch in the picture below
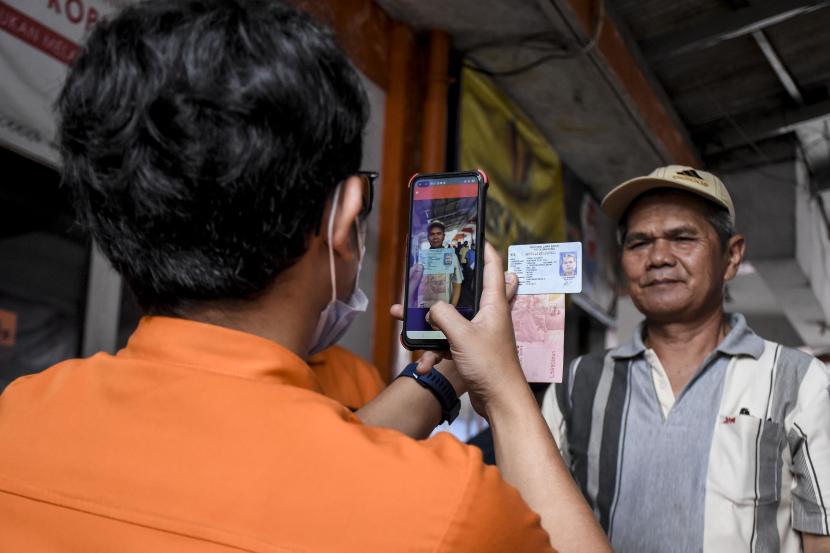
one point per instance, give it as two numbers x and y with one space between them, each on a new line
440 387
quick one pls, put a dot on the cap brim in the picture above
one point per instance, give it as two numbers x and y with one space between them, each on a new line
617 201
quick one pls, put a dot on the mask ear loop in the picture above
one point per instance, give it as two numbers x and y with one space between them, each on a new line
331 243
361 249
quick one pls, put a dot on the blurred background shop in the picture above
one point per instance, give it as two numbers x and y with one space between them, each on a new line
557 100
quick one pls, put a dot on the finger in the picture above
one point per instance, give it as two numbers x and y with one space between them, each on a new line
511 285
415 274
429 322
396 311
449 321
492 292
428 360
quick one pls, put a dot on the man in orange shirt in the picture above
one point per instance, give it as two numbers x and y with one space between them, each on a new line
212 148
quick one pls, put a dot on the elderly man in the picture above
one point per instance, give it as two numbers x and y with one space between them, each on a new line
429 288
568 266
697 434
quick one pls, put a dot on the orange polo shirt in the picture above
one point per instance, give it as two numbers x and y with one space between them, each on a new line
346 377
200 438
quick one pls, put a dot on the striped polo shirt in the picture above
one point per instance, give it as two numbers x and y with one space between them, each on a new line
738 461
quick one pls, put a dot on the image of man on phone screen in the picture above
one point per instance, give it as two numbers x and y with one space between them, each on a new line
440 270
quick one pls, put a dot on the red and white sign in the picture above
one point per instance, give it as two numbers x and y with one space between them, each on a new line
38 41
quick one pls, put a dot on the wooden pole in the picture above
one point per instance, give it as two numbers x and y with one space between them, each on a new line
398 153
434 137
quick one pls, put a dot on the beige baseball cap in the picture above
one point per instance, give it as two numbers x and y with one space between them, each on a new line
680 177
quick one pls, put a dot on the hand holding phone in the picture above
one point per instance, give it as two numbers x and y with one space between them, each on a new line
484 349
446 230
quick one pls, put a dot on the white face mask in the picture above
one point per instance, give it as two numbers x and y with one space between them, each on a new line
338 315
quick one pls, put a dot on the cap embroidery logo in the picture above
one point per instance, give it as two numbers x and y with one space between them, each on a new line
728 420
692 175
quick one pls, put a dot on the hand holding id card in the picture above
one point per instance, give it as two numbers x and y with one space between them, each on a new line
546 273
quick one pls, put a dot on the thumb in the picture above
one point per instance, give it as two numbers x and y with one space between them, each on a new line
396 311
416 271
511 285
445 318
493 280
428 360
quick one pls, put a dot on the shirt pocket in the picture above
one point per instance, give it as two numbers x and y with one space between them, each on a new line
745 461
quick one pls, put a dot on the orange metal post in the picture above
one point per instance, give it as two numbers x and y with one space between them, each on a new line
398 139
434 137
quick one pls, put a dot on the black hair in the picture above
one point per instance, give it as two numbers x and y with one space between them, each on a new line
717 216
201 140
438 224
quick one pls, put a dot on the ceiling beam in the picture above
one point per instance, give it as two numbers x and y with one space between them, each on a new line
724 27
756 129
763 153
593 24
777 65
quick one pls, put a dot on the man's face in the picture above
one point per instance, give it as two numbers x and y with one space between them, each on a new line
436 237
673 260
569 265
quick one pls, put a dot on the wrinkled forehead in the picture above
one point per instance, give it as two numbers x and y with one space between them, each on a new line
664 203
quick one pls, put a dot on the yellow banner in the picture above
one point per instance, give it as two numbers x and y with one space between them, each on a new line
525 200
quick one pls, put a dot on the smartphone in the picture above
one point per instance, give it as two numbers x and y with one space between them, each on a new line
445 251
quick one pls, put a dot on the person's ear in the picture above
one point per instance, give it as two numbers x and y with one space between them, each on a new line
350 204
735 250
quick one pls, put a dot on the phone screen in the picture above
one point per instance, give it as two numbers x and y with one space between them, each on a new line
443 250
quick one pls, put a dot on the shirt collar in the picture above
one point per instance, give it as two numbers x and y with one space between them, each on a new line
217 349
632 348
741 340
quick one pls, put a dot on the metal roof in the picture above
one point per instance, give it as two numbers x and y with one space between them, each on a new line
742 75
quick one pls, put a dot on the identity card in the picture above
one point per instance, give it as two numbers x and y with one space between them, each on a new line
547 268
438 261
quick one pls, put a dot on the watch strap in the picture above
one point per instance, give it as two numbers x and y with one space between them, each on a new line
440 387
